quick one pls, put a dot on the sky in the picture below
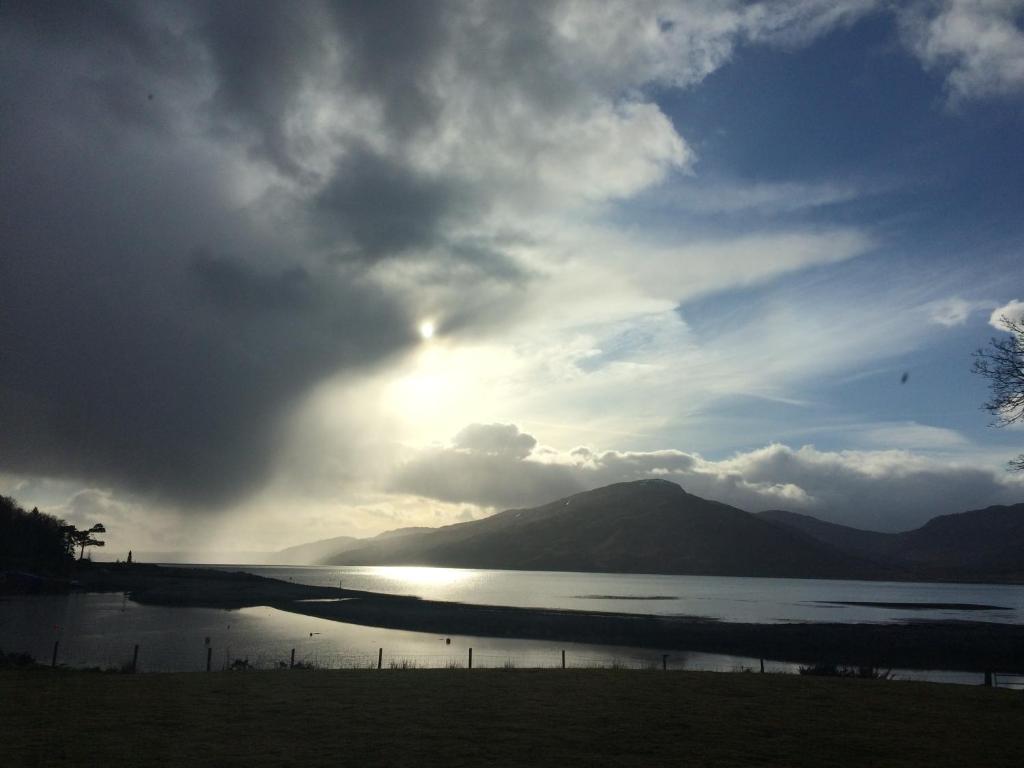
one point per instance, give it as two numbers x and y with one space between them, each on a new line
276 272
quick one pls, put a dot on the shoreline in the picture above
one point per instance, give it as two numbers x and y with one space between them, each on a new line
973 646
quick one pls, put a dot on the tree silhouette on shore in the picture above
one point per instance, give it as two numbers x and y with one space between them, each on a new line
86 538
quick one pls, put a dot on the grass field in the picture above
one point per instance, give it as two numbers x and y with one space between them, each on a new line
499 717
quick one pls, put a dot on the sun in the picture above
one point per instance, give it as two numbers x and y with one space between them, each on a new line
427 329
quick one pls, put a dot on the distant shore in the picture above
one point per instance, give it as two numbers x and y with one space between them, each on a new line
953 645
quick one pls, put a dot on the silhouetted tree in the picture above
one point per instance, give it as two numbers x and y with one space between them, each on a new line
85 538
1002 363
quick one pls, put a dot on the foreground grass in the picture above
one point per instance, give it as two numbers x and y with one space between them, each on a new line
457 718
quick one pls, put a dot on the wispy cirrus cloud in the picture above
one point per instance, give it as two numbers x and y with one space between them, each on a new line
954 311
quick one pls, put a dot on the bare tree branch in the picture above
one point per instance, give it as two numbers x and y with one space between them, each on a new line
1002 363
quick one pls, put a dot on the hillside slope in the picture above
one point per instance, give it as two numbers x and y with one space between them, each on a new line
863 543
646 526
314 551
979 544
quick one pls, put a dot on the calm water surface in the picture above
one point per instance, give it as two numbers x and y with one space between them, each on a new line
102 630
719 597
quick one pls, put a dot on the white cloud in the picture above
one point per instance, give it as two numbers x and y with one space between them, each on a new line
979 43
798 22
887 490
495 440
1013 311
879 489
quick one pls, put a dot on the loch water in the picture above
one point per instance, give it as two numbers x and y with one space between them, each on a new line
102 630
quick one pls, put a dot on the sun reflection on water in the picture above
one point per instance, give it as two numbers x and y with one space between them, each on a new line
423 576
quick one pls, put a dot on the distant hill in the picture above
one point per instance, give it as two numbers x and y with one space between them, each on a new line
314 551
402 532
646 526
869 544
983 544
984 541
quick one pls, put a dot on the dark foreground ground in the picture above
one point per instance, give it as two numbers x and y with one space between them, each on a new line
954 645
454 718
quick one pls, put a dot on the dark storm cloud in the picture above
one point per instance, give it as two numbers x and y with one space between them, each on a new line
181 398
187 250
262 55
116 27
154 330
391 46
384 209
267 56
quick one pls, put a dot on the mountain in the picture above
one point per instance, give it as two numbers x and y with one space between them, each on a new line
983 544
869 544
646 526
403 531
983 541
314 551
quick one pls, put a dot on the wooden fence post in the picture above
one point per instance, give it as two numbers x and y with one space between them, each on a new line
988 679
563 658
135 658
291 664
664 662
470 658
380 657
209 656
762 665
53 661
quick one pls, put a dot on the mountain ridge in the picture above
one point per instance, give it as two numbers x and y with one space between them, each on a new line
976 544
655 526
644 526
